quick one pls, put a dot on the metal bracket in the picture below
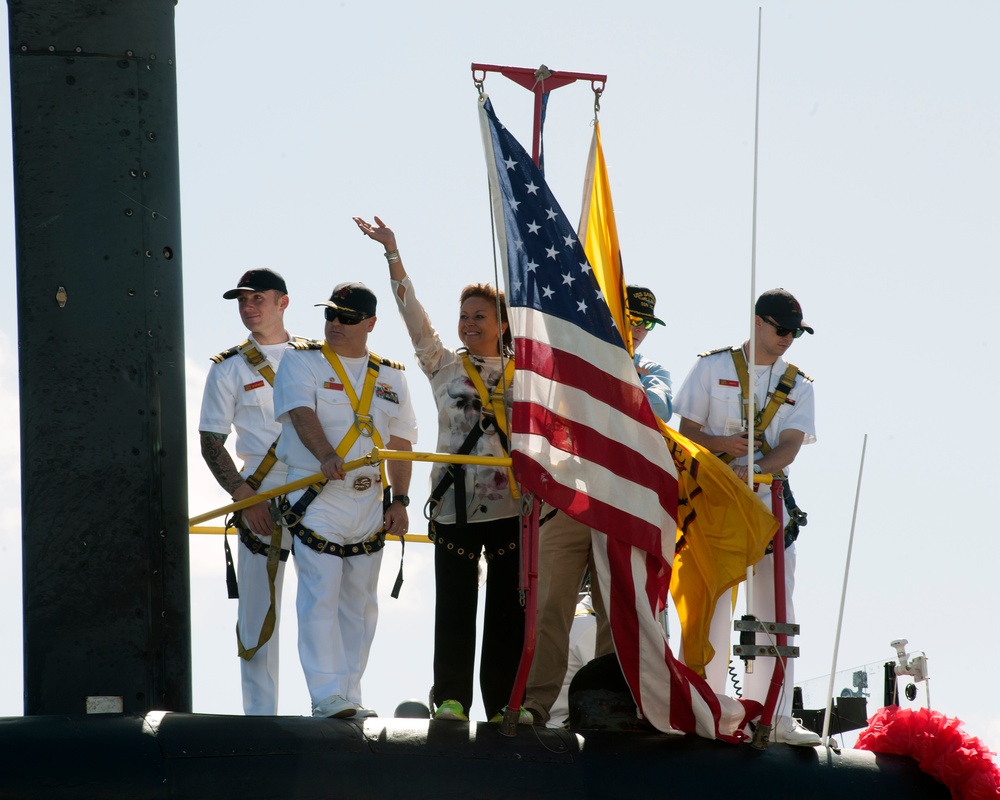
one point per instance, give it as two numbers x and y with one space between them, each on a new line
766 651
772 628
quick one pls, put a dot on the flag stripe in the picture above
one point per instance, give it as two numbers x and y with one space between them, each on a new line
596 448
580 409
588 509
571 370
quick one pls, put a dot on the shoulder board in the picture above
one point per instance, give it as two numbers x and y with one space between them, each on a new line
387 362
306 344
805 376
232 351
719 350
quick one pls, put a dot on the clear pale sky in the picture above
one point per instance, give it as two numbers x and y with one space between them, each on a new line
877 207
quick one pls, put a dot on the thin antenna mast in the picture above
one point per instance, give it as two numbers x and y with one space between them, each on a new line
843 599
752 355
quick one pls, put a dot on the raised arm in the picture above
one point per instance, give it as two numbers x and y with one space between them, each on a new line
380 232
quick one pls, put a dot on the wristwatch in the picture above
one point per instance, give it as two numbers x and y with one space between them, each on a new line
401 498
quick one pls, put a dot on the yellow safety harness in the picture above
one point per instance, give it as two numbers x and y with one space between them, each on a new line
258 363
364 425
797 518
492 415
493 399
777 399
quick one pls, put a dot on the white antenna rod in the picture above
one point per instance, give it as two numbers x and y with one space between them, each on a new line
843 599
752 355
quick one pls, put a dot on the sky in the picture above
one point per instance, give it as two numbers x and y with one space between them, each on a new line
876 201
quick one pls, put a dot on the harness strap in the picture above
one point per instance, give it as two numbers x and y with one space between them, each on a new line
492 414
258 546
796 516
451 477
232 586
491 398
778 398
266 463
274 556
492 408
257 361
364 424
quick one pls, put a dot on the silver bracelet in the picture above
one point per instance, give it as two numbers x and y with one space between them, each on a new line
392 256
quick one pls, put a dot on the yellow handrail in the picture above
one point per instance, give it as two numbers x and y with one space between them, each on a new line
219 530
373 458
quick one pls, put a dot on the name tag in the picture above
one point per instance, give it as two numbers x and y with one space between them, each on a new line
337 387
725 382
255 385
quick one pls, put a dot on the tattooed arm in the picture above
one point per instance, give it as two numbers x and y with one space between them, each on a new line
220 462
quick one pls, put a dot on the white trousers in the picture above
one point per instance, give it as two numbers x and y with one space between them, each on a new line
337 607
259 675
756 684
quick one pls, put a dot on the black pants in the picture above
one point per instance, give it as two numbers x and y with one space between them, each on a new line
456 578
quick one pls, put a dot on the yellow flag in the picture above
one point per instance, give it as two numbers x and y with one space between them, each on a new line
722 529
599 235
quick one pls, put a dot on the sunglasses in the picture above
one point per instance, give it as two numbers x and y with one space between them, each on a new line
796 332
639 322
345 317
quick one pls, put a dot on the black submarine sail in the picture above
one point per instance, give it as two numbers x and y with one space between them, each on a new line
106 592
101 351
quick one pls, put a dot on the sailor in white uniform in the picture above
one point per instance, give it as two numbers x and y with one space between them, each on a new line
238 396
713 415
336 400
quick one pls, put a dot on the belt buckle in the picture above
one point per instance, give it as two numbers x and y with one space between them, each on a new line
362 484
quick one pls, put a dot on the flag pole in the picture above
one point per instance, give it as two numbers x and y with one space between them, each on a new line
752 355
843 599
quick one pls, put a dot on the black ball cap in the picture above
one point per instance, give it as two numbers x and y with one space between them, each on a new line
781 307
258 280
355 298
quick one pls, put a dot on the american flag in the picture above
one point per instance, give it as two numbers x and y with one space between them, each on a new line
585 439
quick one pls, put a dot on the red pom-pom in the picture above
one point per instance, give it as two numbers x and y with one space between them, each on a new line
939 746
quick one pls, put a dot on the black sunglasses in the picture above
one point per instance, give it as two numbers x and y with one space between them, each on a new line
796 332
345 317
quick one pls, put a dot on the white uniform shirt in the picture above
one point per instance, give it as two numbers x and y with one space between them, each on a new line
307 380
237 397
711 397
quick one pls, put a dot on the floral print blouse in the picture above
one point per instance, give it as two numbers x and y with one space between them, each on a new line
487 489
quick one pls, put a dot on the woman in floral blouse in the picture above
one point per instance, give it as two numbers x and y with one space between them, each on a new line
473 508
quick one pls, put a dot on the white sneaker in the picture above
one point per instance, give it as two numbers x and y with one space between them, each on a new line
788 730
335 706
361 712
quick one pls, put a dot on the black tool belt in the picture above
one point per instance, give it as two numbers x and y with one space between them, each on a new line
315 542
292 516
257 546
